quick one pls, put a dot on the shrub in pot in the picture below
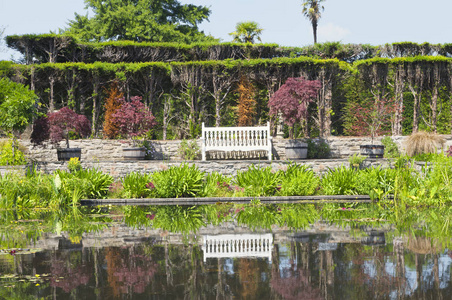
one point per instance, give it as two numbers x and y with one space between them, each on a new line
291 101
133 120
58 126
372 117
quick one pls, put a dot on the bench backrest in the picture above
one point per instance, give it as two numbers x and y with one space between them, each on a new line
236 136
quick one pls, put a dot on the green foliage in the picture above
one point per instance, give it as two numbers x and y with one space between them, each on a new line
90 183
297 216
17 191
298 180
438 180
17 105
178 181
340 181
10 154
74 165
189 150
142 20
136 185
318 148
425 157
391 148
246 32
258 181
217 185
376 182
182 219
258 215
356 160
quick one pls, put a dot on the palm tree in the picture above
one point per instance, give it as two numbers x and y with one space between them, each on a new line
312 10
245 32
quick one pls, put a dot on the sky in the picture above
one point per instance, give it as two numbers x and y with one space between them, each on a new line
347 21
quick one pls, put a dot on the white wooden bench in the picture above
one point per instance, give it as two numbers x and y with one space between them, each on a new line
236 139
237 245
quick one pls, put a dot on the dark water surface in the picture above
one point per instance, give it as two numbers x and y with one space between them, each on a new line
227 261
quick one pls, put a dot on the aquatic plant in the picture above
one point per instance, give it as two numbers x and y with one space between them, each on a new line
258 181
178 181
298 180
135 185
340 181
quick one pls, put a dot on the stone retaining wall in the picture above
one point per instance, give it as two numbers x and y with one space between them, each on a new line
120 168
101 150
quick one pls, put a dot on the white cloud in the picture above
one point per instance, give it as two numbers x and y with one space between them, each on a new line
331 32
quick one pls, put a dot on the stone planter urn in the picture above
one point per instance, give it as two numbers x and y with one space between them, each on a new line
296 149
135 153
65 154
372 151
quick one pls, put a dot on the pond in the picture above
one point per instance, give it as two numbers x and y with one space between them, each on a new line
255 251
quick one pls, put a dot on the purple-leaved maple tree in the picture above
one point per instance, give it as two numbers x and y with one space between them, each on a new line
292 100
59 126
133 118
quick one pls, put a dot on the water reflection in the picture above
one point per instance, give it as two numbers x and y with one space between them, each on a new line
108 253
237 245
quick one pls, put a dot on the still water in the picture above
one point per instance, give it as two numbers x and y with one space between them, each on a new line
43 258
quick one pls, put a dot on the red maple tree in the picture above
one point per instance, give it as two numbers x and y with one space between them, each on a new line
133 118
372 117
292 100
65 122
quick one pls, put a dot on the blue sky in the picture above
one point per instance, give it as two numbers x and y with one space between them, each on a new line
348 21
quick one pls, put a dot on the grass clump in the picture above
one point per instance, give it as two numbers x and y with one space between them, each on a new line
423 142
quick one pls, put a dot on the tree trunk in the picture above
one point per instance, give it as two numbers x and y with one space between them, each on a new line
52 97
434 108
324 104
314 31
95 109
217 110
398 94
415 85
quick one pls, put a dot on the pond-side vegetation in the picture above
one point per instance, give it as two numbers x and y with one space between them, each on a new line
411 184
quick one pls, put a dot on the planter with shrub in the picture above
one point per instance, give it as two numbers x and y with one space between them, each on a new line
132 120
58 126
